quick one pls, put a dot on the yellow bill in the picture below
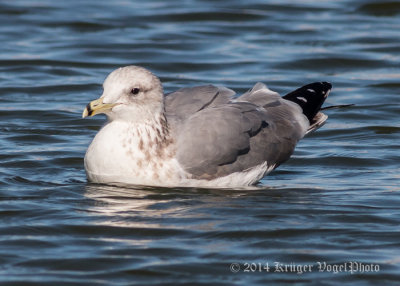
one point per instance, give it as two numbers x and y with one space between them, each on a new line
97 106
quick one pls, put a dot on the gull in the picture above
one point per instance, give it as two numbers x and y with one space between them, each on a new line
202 136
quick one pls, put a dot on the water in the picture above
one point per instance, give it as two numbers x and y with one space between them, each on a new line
335 201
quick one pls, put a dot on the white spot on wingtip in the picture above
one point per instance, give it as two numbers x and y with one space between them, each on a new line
302 99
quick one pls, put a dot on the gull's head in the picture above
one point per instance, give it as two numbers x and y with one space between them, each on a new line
130 93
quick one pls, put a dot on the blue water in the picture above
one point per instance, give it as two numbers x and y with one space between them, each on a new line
336 201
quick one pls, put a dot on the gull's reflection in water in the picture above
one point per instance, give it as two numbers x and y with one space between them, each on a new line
161 208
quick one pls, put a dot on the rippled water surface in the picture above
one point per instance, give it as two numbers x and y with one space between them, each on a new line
335 201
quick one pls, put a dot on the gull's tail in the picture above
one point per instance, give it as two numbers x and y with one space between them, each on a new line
310 98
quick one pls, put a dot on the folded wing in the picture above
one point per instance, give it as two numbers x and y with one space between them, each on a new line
218 135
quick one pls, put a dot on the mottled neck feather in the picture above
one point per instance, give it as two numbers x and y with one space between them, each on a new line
162 129
155 136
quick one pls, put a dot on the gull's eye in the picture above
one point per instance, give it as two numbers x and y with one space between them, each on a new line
135 91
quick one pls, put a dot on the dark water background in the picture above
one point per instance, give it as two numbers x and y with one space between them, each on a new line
335 201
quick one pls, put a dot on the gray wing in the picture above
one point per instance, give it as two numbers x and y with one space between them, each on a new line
187 101
238 134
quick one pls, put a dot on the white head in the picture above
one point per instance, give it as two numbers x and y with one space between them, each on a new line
130 93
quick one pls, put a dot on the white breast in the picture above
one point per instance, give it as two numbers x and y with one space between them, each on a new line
128 153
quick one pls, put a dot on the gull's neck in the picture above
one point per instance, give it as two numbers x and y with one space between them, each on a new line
151 136
157 129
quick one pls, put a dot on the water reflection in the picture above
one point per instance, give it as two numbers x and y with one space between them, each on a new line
160 208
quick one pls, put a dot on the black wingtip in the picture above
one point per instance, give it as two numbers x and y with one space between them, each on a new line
310 97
